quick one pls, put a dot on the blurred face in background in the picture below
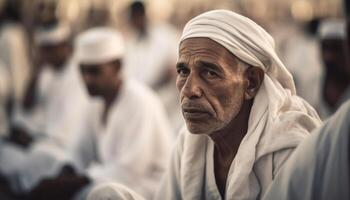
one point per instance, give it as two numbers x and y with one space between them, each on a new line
56 55
334 57
102 79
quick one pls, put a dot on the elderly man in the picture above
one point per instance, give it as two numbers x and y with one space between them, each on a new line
242 115
335 88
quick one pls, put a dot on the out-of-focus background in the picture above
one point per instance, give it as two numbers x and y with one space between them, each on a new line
309 38
292 23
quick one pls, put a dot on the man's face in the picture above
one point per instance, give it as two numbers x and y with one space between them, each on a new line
211 85
56 55
101 79
334 56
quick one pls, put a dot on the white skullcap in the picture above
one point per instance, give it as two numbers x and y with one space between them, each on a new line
99 45
332 29
113 191
243 38
52 35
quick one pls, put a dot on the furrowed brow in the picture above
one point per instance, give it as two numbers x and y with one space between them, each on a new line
210 65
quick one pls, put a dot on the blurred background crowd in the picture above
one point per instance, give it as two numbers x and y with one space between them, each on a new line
309 38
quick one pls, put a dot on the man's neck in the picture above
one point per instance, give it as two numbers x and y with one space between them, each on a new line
228 139
227 142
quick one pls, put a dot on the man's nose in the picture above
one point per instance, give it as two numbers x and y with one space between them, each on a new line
192 88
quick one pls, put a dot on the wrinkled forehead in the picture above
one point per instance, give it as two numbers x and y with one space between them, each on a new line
201 47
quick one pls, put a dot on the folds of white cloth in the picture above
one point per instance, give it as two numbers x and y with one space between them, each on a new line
319 167
113 191
279 120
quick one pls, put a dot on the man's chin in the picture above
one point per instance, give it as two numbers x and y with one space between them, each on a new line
197 129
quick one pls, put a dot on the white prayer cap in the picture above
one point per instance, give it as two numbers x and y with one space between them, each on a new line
243 38
332 29
99 45
52 35
113 191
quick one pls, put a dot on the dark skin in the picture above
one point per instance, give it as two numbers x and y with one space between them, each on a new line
337 77
103 80
216 94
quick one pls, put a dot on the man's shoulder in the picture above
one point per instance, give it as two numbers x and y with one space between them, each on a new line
139 91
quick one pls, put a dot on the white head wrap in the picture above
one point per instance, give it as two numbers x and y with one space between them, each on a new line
278 119
99 45
332 29
113 191
52 35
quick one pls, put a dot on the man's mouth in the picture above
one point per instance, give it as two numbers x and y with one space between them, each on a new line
195 113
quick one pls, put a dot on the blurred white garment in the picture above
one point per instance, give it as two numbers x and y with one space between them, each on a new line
14 53
61 104
113 191
148 57
319 167
60 100
132 147
302 58
278 121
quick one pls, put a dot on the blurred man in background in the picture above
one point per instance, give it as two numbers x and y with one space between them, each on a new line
124 137
151 57
335 88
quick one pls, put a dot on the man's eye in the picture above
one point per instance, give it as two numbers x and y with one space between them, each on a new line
211 74
183 72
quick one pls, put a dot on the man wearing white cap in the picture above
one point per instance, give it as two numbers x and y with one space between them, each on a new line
126 138
335 88
242 115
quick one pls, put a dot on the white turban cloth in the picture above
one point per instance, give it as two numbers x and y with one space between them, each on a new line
278 119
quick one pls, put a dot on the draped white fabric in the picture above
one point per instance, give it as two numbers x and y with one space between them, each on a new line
319 167
279 119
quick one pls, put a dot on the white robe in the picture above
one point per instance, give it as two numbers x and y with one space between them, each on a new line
134 145
113 191
278 120
61 103
147 58
190 175
319 167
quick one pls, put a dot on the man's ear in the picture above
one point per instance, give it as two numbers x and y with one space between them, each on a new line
254 77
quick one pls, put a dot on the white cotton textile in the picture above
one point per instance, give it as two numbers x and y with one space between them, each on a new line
109 47
319 167
113 191
278 121
132 147
61 103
